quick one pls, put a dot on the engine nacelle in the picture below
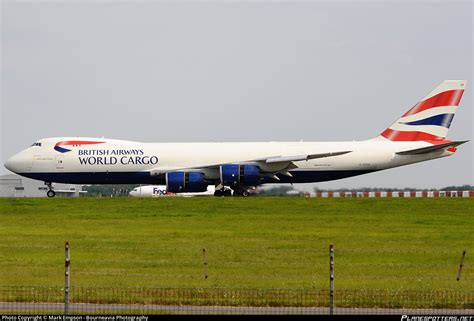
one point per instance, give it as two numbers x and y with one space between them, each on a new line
185 182
240 175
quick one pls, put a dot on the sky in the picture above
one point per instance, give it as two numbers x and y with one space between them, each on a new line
235 71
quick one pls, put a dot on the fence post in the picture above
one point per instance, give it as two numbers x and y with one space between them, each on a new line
67 264
461 265
331 279
205 262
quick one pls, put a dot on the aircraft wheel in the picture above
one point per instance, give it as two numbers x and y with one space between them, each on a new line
245 193
51 193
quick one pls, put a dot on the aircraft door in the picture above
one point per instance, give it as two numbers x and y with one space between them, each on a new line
58 160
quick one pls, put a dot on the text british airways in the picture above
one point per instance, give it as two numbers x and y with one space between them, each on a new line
115 156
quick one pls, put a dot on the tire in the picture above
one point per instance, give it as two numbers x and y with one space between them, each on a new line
245 193
51 193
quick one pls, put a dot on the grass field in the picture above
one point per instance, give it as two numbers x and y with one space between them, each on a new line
385 244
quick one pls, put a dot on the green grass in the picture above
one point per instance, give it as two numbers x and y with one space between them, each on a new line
385 244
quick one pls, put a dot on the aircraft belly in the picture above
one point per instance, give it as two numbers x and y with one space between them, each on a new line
97 177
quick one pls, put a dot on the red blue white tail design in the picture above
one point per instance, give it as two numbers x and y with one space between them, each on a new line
431 117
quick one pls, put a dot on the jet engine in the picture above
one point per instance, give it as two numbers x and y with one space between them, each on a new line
185 182
240 175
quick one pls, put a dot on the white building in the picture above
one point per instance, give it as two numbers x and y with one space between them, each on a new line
13 185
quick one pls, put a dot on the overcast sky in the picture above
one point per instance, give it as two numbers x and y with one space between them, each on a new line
236 71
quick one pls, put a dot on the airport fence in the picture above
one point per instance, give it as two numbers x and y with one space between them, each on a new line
143 300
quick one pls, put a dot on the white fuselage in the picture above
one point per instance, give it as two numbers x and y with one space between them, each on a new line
121 162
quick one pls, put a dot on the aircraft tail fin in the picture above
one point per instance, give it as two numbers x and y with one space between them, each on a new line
431 117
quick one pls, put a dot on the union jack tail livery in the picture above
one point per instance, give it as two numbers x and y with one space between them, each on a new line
429 120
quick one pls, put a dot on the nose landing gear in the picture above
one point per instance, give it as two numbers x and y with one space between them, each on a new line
50 192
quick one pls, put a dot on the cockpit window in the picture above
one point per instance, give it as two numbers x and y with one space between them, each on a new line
36 144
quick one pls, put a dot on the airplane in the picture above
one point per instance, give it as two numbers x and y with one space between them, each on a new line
418 135
160 191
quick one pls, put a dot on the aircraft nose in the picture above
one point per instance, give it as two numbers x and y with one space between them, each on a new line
8 164
16 163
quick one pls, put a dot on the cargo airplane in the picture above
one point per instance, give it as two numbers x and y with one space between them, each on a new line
419 135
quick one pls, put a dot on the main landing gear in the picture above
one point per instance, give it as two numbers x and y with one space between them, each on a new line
223 192
242 192
228 192
50 192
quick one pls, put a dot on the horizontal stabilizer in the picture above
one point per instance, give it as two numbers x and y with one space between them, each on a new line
431 149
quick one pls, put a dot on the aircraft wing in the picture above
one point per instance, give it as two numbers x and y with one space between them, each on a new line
283 160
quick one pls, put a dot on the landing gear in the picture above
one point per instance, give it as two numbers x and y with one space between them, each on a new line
241 192
223 192
236 192
50 192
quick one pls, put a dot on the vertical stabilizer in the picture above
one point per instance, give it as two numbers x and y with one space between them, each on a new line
431 117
